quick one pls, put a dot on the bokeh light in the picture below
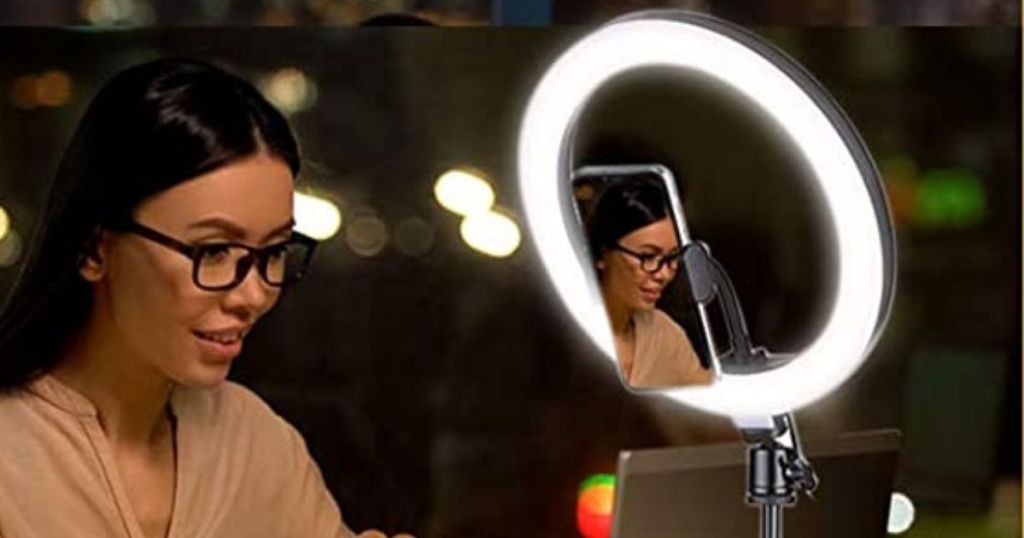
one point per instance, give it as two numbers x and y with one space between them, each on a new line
289 89
901 177
108 12
937 198
901 514
594 506
951 198
5 223
53 88
491 233
464 192
366 233
10 248
316 217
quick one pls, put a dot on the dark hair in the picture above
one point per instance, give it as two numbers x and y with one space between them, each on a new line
627 204
152 126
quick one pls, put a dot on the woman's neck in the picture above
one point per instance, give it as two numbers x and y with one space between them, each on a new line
619 315
130 396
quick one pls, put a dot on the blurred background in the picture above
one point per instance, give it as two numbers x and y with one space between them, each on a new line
486 12
438 382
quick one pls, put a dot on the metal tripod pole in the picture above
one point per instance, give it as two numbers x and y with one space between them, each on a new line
771 520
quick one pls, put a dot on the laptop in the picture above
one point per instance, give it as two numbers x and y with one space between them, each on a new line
699 492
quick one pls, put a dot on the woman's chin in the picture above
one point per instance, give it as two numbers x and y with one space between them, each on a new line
205 376
646 305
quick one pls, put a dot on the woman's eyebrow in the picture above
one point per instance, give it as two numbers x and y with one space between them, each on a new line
286 227
220 223
657 247
234 230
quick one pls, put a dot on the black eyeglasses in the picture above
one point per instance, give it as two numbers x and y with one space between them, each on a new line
652 263
222 266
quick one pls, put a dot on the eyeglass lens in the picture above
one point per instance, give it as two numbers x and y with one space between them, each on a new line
652 263
225 265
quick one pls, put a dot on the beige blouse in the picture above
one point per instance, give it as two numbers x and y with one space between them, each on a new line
242 471
662 354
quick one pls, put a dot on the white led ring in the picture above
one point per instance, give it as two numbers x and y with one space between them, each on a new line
818 130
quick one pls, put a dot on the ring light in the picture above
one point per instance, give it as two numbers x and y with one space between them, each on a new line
818 130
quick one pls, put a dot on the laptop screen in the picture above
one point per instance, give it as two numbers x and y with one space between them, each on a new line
699 492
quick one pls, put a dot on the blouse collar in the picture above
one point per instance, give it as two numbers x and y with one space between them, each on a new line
62 396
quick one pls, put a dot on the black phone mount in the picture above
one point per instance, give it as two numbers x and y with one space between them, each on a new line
709 282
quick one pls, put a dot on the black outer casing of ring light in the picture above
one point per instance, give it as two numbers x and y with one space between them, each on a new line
813 89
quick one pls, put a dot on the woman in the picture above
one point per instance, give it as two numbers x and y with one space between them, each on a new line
636 253
167 235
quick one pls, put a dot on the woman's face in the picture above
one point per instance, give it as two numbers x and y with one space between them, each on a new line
623 281
155 310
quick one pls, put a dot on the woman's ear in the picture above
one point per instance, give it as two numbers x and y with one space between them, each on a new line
91 260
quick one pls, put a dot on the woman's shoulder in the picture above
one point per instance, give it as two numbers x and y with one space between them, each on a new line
42 398
657 319
660 316
16 405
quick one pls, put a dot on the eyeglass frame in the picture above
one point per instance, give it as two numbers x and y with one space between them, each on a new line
666 259
255 256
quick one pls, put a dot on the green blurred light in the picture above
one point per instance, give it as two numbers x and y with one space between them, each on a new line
949 198
598 480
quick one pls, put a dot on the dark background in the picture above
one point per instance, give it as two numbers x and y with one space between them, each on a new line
502 12
448 393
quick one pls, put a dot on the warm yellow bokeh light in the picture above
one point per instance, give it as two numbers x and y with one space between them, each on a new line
5 223
105 11
289 89
10 248
492 233
463 192
316 217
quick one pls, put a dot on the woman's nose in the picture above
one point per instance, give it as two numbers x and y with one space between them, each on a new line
252 296
663 274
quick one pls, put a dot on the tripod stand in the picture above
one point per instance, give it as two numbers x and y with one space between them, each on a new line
776 469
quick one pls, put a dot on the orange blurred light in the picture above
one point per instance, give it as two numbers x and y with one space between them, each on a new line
595 505
901 178
53 88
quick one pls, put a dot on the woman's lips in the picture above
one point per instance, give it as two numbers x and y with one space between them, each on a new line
651 296
222 351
